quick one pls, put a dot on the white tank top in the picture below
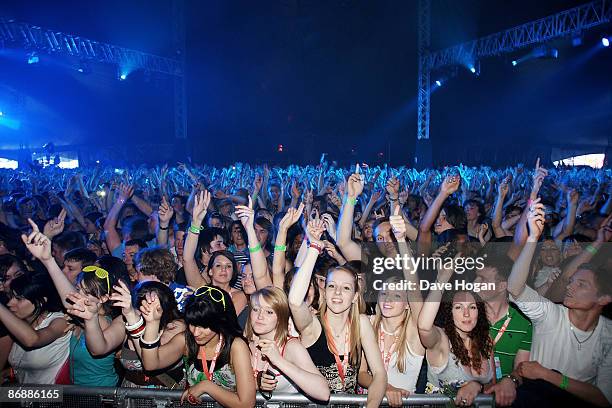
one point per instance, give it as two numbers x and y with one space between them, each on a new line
40 366
408 379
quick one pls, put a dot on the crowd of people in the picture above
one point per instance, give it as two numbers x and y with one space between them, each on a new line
228 282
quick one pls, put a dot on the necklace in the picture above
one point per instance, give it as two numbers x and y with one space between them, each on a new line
583 341
382 328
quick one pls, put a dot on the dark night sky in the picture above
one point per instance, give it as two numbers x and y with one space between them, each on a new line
312 75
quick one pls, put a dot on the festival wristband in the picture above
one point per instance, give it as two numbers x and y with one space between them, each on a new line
352 201
564 382
318 247
590 248
282 248
138 324
195 230
255 248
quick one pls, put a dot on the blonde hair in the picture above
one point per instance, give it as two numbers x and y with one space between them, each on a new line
354 316
402 340
279 303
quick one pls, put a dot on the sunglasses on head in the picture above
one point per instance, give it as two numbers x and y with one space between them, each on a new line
212 292
100 274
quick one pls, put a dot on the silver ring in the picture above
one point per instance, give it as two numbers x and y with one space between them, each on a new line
463 401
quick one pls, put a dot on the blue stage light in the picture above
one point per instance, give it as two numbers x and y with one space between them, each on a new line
33 58
605 41
439 83
473 70
122 77
514 63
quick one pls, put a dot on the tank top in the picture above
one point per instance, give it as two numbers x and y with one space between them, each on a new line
88 370
324 360
223 376
284 384
41 365
408 379
132 364
453 374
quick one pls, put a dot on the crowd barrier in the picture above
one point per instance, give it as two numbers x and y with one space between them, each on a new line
109 397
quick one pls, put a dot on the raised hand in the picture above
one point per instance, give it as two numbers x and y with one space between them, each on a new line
200 206
403 196
291 217
392 187
257 184
165 212
295 190
450 184
397 225
150 308
604 233
375 196
308 197
126 191
83 306
37 243
246 214
330 225
538 177
121 297
315 229
55 226
535 219
503 187
355 185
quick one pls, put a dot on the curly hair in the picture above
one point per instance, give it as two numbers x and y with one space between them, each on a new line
482 345
156 261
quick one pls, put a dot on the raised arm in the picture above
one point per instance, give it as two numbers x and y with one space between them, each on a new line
502 191
280 245
192 272
448 187
520 269
349 248
40 247
165 213
113 240
261 277
308 327
570 217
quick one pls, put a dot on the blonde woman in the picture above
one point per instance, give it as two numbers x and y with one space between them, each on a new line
337 338
280 362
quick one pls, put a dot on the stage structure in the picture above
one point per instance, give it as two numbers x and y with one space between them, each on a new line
45 41
570 22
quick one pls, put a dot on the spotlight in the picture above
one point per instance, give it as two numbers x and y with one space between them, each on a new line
473 70
1 113
605 41
33 58
439 83
514 63
122 77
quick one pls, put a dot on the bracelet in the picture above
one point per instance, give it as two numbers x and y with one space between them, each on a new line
138 324
163 228
137 333
513 379
352 201
195 230
564 382
590 248
392 199
255 248
316 246
280 248
150 345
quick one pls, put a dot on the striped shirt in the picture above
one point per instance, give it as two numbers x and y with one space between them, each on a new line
517 336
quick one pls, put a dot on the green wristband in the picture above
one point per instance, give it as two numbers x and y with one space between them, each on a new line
195 230
280 248
255 248
590 248
352 201
564 382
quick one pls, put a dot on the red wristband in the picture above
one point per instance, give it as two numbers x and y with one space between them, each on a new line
316 246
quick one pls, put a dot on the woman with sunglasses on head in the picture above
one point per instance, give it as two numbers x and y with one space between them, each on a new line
280 362
395 325
33 317
222 268
128 333
338 337
95 284
215 351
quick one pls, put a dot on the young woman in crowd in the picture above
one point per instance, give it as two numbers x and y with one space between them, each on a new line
280 362
216 353
85 369
337 338
459 352
127 334
33 317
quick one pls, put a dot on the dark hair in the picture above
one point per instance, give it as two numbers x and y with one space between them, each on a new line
313 281
166 298
39 290
455 216
220 317
68 240
243 232
481 209
137 227
156 261
230 256
208 235
136 242
267 225
93 216
180 197
482 345
83 255
7 261
114 266
500 262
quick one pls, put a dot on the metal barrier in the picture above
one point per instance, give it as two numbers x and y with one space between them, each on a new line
109 397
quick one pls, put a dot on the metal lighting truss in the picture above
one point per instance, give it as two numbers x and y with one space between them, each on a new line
40 39
575 20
